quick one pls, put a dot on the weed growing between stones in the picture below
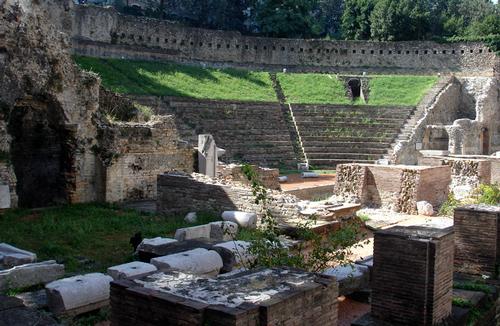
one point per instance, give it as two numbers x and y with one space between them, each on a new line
270 250
484 194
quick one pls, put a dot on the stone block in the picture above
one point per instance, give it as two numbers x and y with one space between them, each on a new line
198 261
351 278
135 269
11 256
23 276
425 208
155 245
191 217
239 250
193 232
243 219
223 230
4 197
78 294
174 248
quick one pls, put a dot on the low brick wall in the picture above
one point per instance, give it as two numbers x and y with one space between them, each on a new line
269 178
398 187
477 239
258 297
412 275
182 193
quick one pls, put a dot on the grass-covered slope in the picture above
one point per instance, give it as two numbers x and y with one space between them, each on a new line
169 79
327 89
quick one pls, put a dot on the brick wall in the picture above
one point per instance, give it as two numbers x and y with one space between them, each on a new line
105 33
477 237
397 187
412 275
299 298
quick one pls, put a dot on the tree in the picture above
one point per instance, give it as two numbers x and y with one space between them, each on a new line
400 20
329 16
356 19
285 18
490 25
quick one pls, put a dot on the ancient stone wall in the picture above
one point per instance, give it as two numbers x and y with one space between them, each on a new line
135 153
396 187
105 33
269 178
182 193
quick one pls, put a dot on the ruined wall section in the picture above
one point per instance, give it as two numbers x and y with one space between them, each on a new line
105 33
134 154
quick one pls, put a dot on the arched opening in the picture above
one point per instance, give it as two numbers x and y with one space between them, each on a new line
435 138
354 88
485 141
40 152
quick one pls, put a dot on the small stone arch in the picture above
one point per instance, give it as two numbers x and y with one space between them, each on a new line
354 88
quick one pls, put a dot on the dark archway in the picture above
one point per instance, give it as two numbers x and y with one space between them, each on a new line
41 152
485 141
354 86
435 138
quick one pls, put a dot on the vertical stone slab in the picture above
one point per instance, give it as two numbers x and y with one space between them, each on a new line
4 197
477 235
412 275
207 155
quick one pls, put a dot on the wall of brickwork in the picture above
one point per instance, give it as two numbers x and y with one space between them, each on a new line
311 300
397 187
268 178
105 33
412 275
182 193
477 239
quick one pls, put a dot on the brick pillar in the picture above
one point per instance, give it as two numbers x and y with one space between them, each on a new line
477 235
412 275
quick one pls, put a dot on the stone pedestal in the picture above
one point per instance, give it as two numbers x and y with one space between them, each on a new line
477 239
207 155
258 297
412 275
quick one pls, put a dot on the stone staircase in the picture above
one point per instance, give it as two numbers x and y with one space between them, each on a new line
249 132
336 134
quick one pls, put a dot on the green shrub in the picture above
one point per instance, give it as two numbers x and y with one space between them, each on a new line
488 194
449 206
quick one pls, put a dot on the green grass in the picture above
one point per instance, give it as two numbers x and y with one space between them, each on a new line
313 88
85 237
170 79
399 90
326 89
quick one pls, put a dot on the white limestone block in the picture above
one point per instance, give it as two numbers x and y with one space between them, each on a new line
240 250
425 208
309 175
135 269
82 293
223 230
152 244
193 232
11 256
4 197
23 276
191 217
283 178
243 219
198 261
351 278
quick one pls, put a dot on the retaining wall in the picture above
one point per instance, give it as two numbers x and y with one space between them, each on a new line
103 32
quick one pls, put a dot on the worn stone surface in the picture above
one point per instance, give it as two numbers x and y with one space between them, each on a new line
412 275
30 274
193 232
14 313
243 219
239 250
78 294
425 208
11 256
198 261
135 269
145 254
350 278
223 230
258 297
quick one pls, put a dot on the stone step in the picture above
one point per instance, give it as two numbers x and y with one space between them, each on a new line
327 163
350 135
333 145
315 119
361 149
349 124
353 156
329 139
